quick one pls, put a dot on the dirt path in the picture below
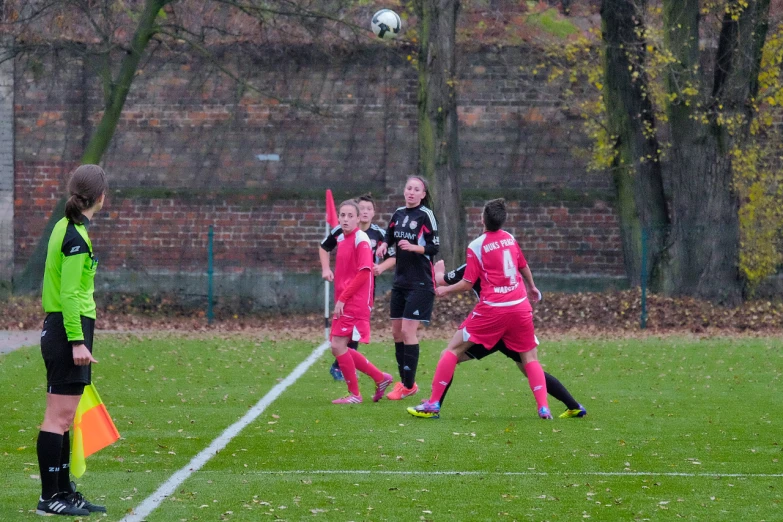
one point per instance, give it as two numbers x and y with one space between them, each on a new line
14 339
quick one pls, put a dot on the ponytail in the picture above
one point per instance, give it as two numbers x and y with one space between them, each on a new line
86 185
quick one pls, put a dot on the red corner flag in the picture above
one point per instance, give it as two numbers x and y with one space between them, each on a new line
331 211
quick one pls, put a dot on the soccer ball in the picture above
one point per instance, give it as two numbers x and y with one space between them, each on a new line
386 24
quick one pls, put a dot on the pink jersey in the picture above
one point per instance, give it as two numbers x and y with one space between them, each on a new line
494 259
354 253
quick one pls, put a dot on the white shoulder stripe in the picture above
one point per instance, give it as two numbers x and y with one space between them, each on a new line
475 246
336 229
361 235
431 215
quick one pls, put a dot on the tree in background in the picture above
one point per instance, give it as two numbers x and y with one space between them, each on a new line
438 120
98 33
680 106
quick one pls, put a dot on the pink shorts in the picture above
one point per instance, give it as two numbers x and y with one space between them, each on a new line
354 329
489 325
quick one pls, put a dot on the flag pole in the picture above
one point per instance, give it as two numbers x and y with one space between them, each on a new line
326 299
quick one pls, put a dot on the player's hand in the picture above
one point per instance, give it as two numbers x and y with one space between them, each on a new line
440 272
327 275
535 295
377 270
82 356
339 306
441 291
381 250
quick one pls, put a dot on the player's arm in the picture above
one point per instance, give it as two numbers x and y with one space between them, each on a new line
461 279
327 245
387 263
326 271
70 285
527 276
456 287
385 245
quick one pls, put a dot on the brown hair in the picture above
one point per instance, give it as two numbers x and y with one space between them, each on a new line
495 214
427 200
85 187
350 202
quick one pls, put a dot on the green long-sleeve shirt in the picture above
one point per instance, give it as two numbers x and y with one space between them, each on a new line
69 277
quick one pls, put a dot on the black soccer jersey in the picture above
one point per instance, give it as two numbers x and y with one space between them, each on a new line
418 226
455 276
375 233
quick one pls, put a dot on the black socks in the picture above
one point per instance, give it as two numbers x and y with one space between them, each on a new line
410 363
49 449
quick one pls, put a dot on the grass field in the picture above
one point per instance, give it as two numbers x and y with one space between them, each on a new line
677 428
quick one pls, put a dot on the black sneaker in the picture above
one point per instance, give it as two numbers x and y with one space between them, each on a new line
80 502
60 504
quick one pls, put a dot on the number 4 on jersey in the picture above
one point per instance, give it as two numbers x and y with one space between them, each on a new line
510 269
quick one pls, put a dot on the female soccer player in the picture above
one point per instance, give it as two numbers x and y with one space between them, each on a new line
553 386
374 232
503 312
66 339
353 291
412 235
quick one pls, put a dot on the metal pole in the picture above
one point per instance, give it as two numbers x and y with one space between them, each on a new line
643 319
210 271
326 298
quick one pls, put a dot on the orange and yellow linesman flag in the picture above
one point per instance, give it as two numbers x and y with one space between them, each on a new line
331 211
93 430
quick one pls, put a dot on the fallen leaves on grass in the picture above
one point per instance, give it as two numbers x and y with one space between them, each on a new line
613 312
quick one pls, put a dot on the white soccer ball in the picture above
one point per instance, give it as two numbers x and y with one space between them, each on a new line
386 24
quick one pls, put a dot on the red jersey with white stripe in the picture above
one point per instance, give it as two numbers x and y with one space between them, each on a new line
494 260
354 253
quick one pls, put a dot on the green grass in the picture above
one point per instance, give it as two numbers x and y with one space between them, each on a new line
658 407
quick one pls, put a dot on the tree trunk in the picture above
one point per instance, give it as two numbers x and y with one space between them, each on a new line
438 123
703 258
641 201
116 92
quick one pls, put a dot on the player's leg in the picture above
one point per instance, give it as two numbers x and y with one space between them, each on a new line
348 367
396 309
444 374
557 389
64 385
361 333
475 352
417 310
536 381
553 386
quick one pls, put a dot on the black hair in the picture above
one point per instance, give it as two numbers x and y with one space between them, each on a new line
368 198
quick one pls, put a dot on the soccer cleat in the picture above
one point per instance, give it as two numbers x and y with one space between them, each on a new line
336 373
380 387
60 504
425 410
80 502
544 413
400 392
350 399
570 414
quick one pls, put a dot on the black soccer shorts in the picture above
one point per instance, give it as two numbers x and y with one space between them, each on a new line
63 377
415 305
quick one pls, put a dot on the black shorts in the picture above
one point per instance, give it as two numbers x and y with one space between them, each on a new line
477 351
62 375
415 305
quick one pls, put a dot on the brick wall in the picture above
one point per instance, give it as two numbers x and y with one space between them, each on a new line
185 156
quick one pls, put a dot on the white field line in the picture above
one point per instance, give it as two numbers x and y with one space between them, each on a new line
170 486
513 473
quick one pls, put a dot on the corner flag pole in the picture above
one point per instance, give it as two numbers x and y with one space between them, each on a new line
331 222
